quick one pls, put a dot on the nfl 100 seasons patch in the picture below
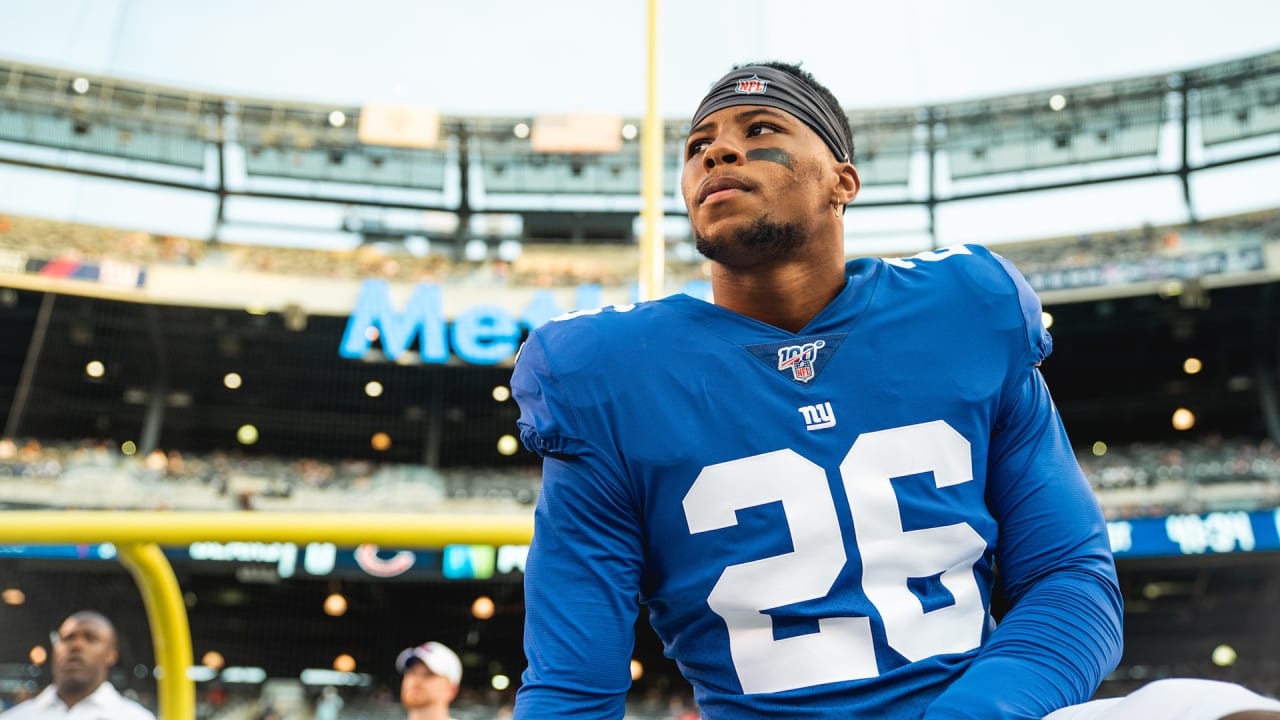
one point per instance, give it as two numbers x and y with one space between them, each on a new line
801 359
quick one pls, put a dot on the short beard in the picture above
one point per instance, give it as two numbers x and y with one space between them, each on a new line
77 686
762 241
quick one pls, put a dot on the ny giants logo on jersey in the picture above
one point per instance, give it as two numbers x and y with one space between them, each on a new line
752 86
799 359
817 417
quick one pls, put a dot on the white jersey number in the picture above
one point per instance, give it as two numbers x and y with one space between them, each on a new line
843 647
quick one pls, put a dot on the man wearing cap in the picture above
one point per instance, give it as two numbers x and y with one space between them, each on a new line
810 481
84 651
432 673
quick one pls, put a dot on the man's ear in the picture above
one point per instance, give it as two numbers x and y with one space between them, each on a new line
848 184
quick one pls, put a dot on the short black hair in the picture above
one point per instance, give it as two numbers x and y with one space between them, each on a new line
823 92
98 618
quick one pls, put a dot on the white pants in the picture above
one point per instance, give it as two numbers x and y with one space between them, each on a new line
1174 699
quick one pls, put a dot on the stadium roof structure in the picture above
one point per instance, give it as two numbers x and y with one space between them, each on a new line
1165 125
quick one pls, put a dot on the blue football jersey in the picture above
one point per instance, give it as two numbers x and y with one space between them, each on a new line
814 519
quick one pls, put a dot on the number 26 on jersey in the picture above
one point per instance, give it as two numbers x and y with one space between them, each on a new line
843 648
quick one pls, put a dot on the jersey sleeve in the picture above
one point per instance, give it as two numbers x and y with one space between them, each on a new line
548 423
1062 634
1039 343
582 575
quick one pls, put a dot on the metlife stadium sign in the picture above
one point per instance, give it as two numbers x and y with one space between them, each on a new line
481 335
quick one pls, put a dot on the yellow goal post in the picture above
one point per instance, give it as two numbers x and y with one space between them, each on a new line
138 535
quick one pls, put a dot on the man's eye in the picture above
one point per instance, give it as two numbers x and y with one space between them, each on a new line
761 129
697 146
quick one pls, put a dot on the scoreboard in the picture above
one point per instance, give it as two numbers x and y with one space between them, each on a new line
1235 531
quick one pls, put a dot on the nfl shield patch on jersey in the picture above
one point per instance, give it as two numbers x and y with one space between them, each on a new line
800 359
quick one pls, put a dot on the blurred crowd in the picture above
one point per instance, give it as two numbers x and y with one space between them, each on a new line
539 265
1155 479
94 474
555 265
1131 480
1140 245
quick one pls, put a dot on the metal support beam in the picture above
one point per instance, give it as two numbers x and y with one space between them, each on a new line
13 424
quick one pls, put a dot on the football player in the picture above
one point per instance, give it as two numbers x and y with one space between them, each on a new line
810 482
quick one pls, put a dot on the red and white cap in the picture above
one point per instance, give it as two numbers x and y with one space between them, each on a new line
439 659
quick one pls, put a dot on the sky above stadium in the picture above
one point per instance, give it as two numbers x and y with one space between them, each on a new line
514 57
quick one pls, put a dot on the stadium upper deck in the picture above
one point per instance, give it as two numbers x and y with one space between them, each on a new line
371 173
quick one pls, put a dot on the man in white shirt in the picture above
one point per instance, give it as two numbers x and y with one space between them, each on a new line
83 651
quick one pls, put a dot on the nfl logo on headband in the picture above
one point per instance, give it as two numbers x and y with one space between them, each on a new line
752 86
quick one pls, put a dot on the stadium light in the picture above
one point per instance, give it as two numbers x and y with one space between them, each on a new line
502 393
247 434
232 381
507 445
38 655
482 608
637 669
80 85
475 250
95 369
373 388
1183 419
13 596
336 606
250 675
521 130
380 442
344 663
510 250
500 682
322 677
1046 318
213 659
1057 103
337 118
1192 365
1224 655
1099 448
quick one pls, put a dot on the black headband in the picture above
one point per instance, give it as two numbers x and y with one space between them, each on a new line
762 85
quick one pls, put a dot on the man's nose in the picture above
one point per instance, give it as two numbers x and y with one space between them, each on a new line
720 152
